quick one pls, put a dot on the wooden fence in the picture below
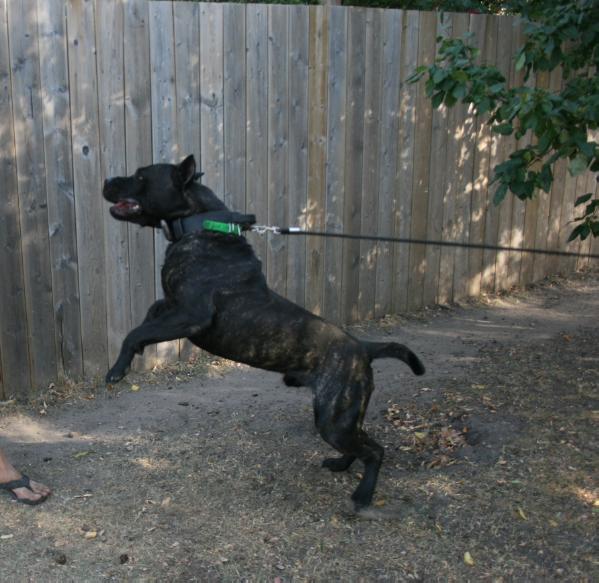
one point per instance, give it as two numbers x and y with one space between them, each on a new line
297 114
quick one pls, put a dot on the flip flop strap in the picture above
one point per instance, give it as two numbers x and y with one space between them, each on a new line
22 482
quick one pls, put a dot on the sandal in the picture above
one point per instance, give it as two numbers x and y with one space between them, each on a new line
22 482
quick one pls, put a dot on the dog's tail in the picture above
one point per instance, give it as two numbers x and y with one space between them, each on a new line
395 350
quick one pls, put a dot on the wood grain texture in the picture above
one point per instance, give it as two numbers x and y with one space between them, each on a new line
14 341
298 150
480 176
317 130
89 206
336 162
441 201
354 151
392 35
33 204
111 76
371 170
278 144
59 186
407 135
164 128
138 152
257 121
421 172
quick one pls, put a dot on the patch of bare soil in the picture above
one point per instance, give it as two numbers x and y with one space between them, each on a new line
212 472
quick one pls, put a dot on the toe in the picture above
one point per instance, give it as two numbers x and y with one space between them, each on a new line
27 494
40 489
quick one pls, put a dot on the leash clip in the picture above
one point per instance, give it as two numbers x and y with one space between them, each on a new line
263 229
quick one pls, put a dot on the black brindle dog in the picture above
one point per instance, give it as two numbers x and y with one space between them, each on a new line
216 295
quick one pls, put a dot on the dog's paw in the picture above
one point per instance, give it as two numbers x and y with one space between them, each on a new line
114 376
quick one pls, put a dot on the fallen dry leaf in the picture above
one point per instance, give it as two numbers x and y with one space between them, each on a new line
90 535
468 559
379 503
81 454
135 388
521 514
6 536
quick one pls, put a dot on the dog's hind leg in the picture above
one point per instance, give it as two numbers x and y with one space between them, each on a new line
339 413
163 322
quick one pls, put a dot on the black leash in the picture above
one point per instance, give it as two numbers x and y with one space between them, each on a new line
260 229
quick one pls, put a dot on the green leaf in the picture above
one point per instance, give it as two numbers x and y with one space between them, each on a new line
500 194
581 231
459 91
582 199
438 98
505 129
578 165
439 75
521 60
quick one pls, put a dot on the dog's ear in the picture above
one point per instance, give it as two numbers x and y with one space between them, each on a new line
187 170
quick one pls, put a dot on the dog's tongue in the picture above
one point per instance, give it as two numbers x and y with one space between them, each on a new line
127 206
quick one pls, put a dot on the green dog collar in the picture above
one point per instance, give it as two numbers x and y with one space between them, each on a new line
228 228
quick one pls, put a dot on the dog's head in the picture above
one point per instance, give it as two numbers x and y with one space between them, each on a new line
159 192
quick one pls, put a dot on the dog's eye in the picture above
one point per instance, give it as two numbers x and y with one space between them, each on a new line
139 177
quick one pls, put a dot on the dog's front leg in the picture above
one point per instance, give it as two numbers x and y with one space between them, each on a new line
162 323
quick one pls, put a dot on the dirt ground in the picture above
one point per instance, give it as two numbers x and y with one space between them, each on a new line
212 472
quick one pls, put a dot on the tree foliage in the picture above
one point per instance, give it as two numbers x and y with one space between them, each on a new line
558 33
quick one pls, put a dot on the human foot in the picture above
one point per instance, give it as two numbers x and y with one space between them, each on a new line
26 491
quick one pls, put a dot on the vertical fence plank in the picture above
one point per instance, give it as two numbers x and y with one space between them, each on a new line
544 201
59 186
164 126
530 218
505 146
336 162
478 267
464 165
486 27
211 84
257 120
298 149
109 35
371 161
455 197
89 206
14 342
187 88
317 131
138 135
29 139
278 144
557 193
187 79
234 106
392 35
422 153
519 207
354 151
441 197
407 134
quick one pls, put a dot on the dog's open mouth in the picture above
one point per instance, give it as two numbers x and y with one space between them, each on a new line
126 208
